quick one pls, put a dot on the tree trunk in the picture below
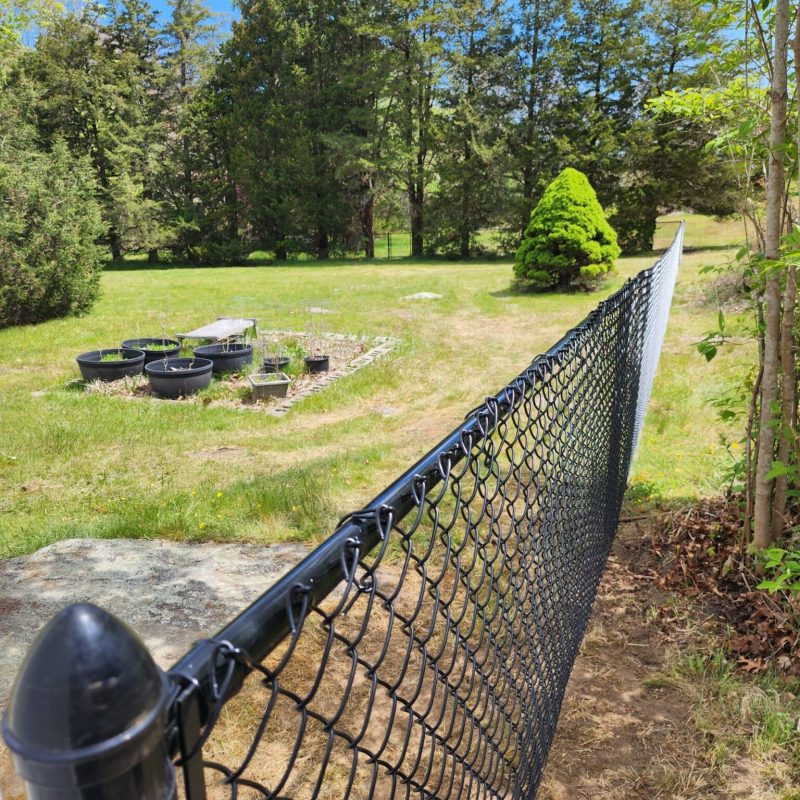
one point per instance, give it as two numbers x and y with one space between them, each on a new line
152 256
368 224
415 195
116 245
464 233
532 104
762 517
788 392
323 245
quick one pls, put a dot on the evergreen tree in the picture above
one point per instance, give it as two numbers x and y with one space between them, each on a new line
49 262
132 40
99 78
534 88
415 32
471 121
568 241
666 162
190 42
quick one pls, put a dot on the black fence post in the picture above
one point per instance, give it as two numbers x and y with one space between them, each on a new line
87 715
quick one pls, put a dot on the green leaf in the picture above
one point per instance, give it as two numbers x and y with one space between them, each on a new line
779 469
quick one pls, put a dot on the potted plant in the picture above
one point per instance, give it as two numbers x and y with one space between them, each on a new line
178 377
226 356
269 384
110 364
317 363
275 358
275 363
154 347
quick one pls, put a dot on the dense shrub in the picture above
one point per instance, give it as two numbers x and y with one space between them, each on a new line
50 263
568 241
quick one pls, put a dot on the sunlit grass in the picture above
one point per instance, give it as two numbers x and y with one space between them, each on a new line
78 465
754 717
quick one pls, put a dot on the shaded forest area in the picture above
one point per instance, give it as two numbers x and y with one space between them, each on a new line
315 124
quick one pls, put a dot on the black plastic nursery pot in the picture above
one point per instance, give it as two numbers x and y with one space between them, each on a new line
226 357
178 377
269 384
167 348
317 363
272 364
93 368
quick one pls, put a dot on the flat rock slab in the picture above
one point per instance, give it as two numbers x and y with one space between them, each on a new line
171 594
423 296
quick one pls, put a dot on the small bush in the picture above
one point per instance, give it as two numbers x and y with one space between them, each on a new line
50 263
568 242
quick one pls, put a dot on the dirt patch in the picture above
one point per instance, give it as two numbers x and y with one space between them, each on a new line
632 723
621 734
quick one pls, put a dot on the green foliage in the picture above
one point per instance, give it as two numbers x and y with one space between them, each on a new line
17 16
783 568
49 263
568 241
219 253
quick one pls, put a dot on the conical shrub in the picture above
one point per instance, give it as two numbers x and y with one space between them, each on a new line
568 241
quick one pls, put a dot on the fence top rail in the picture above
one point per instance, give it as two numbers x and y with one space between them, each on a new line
260 627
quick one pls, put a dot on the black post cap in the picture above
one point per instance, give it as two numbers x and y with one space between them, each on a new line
87 713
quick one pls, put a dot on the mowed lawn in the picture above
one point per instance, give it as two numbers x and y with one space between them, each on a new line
74 465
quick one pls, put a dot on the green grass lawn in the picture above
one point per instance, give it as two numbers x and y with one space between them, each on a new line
73 465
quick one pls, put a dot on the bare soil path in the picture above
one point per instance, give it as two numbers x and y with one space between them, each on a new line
616 737
628 726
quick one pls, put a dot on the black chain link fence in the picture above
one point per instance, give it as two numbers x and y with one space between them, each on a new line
424 649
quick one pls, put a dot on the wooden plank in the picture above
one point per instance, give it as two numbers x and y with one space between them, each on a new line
221 328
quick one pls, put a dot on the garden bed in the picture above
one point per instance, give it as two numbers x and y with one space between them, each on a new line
347 354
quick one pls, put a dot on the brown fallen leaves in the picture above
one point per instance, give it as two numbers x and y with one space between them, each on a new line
701 555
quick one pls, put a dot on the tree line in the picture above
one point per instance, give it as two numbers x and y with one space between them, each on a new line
752 107
314 124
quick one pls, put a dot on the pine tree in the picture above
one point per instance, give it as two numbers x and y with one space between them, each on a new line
568 241
472 117
190 41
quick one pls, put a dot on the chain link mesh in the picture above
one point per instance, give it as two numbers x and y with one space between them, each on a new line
437 665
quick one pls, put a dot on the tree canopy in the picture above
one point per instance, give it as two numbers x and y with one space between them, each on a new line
312 126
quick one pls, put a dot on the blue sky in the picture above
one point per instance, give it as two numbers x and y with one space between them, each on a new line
224 9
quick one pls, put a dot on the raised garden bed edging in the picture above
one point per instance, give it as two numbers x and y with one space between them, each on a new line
381 346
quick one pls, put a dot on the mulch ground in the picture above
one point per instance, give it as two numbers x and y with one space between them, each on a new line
699 555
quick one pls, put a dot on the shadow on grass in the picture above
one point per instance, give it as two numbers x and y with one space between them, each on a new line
519 290
261 262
